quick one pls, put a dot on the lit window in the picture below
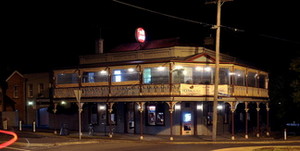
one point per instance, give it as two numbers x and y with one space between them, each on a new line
156 75
117 72
121 75
155 115
118 78
91 77
207 69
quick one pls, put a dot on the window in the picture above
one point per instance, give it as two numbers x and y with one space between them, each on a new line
67 78
92 77
121 75
262 81
30 90
155 114
94 114
41 90
251 79
203 75
182 74
224 76
16 91
239 77
156 75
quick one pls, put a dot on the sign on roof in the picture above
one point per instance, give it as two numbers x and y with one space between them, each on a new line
140 35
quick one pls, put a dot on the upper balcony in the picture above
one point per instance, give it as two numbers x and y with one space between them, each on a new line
175 79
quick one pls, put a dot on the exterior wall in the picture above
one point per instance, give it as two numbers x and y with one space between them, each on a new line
39 96
20 105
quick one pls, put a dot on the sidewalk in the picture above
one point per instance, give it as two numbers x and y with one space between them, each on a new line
48 138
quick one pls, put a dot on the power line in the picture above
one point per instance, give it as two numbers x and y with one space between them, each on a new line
204 24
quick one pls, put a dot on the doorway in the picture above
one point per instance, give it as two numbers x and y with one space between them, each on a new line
129 118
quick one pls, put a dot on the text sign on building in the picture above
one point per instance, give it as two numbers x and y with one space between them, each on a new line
196 90
140 35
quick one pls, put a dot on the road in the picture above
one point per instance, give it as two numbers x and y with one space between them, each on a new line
136 146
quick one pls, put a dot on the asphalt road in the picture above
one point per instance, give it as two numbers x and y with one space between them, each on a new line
136 146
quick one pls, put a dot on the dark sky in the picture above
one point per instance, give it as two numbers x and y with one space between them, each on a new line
38 36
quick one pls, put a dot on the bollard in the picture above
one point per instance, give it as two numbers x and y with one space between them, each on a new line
20 125
5 124
284 134
33 126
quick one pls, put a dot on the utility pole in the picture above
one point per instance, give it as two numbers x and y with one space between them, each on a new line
218 31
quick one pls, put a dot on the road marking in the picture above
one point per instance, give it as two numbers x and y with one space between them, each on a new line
28 144
17 149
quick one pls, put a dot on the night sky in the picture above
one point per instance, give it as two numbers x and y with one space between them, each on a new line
39 36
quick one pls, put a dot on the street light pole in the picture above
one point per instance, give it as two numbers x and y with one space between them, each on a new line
218 32
215 110
78 98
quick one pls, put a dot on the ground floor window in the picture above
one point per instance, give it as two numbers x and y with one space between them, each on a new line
155 114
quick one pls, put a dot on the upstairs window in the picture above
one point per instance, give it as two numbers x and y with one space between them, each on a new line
30 90
251 79
41 90
122 75
239 77
92 77
224 76
156 75
67 78
16 91
262 81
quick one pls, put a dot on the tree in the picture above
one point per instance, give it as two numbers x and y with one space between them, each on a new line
295 83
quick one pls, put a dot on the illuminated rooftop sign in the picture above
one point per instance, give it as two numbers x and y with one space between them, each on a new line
140 35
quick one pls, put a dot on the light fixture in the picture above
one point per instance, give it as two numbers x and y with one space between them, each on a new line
199 68
103 72
63 102
102 107
177 106
130 70
207 69
161 68
220 107
30 103
178 67
200 107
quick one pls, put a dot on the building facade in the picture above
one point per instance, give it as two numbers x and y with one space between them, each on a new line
30 96
163 89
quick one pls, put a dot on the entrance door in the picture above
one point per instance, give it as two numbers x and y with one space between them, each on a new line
129 116
43 117
187 126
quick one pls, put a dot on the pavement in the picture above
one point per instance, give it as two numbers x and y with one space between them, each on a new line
46 137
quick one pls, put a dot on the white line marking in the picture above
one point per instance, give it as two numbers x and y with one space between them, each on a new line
28 144
17 148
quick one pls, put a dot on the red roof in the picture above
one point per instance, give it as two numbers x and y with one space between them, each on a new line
147 45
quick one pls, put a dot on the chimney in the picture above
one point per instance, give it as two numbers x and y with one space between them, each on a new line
99 46
209 42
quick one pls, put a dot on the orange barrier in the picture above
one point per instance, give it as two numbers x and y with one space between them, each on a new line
11 141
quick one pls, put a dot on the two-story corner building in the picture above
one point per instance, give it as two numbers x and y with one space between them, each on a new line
164 88
30 94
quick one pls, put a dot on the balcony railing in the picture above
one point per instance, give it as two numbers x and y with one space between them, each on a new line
161 90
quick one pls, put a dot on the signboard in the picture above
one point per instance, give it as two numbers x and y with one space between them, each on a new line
140 35
198 90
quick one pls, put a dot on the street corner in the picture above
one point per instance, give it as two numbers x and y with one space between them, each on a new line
49 144
260 148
